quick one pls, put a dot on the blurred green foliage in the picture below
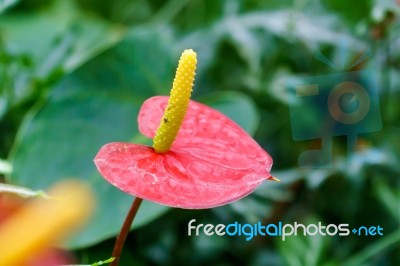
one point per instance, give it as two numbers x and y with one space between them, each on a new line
73 75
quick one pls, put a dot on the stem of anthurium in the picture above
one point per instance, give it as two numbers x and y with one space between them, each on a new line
119 243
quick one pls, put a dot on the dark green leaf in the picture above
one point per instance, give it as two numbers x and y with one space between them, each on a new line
4 4
95 105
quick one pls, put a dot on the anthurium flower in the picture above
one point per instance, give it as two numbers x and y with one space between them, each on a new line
201 159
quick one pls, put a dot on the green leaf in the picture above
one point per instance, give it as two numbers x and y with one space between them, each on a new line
94 105
388 196
292 24
60 34
304 250
4 4
103 262
346 8
385 243
5 167
38 48
21 191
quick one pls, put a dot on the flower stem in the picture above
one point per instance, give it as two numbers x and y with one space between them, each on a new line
119 243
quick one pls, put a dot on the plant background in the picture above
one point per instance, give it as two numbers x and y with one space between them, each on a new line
73 75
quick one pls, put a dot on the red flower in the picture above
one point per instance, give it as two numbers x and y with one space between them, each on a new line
212 161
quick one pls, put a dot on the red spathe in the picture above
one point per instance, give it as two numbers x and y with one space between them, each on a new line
212 161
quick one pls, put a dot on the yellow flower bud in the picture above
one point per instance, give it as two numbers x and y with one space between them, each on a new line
177 103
